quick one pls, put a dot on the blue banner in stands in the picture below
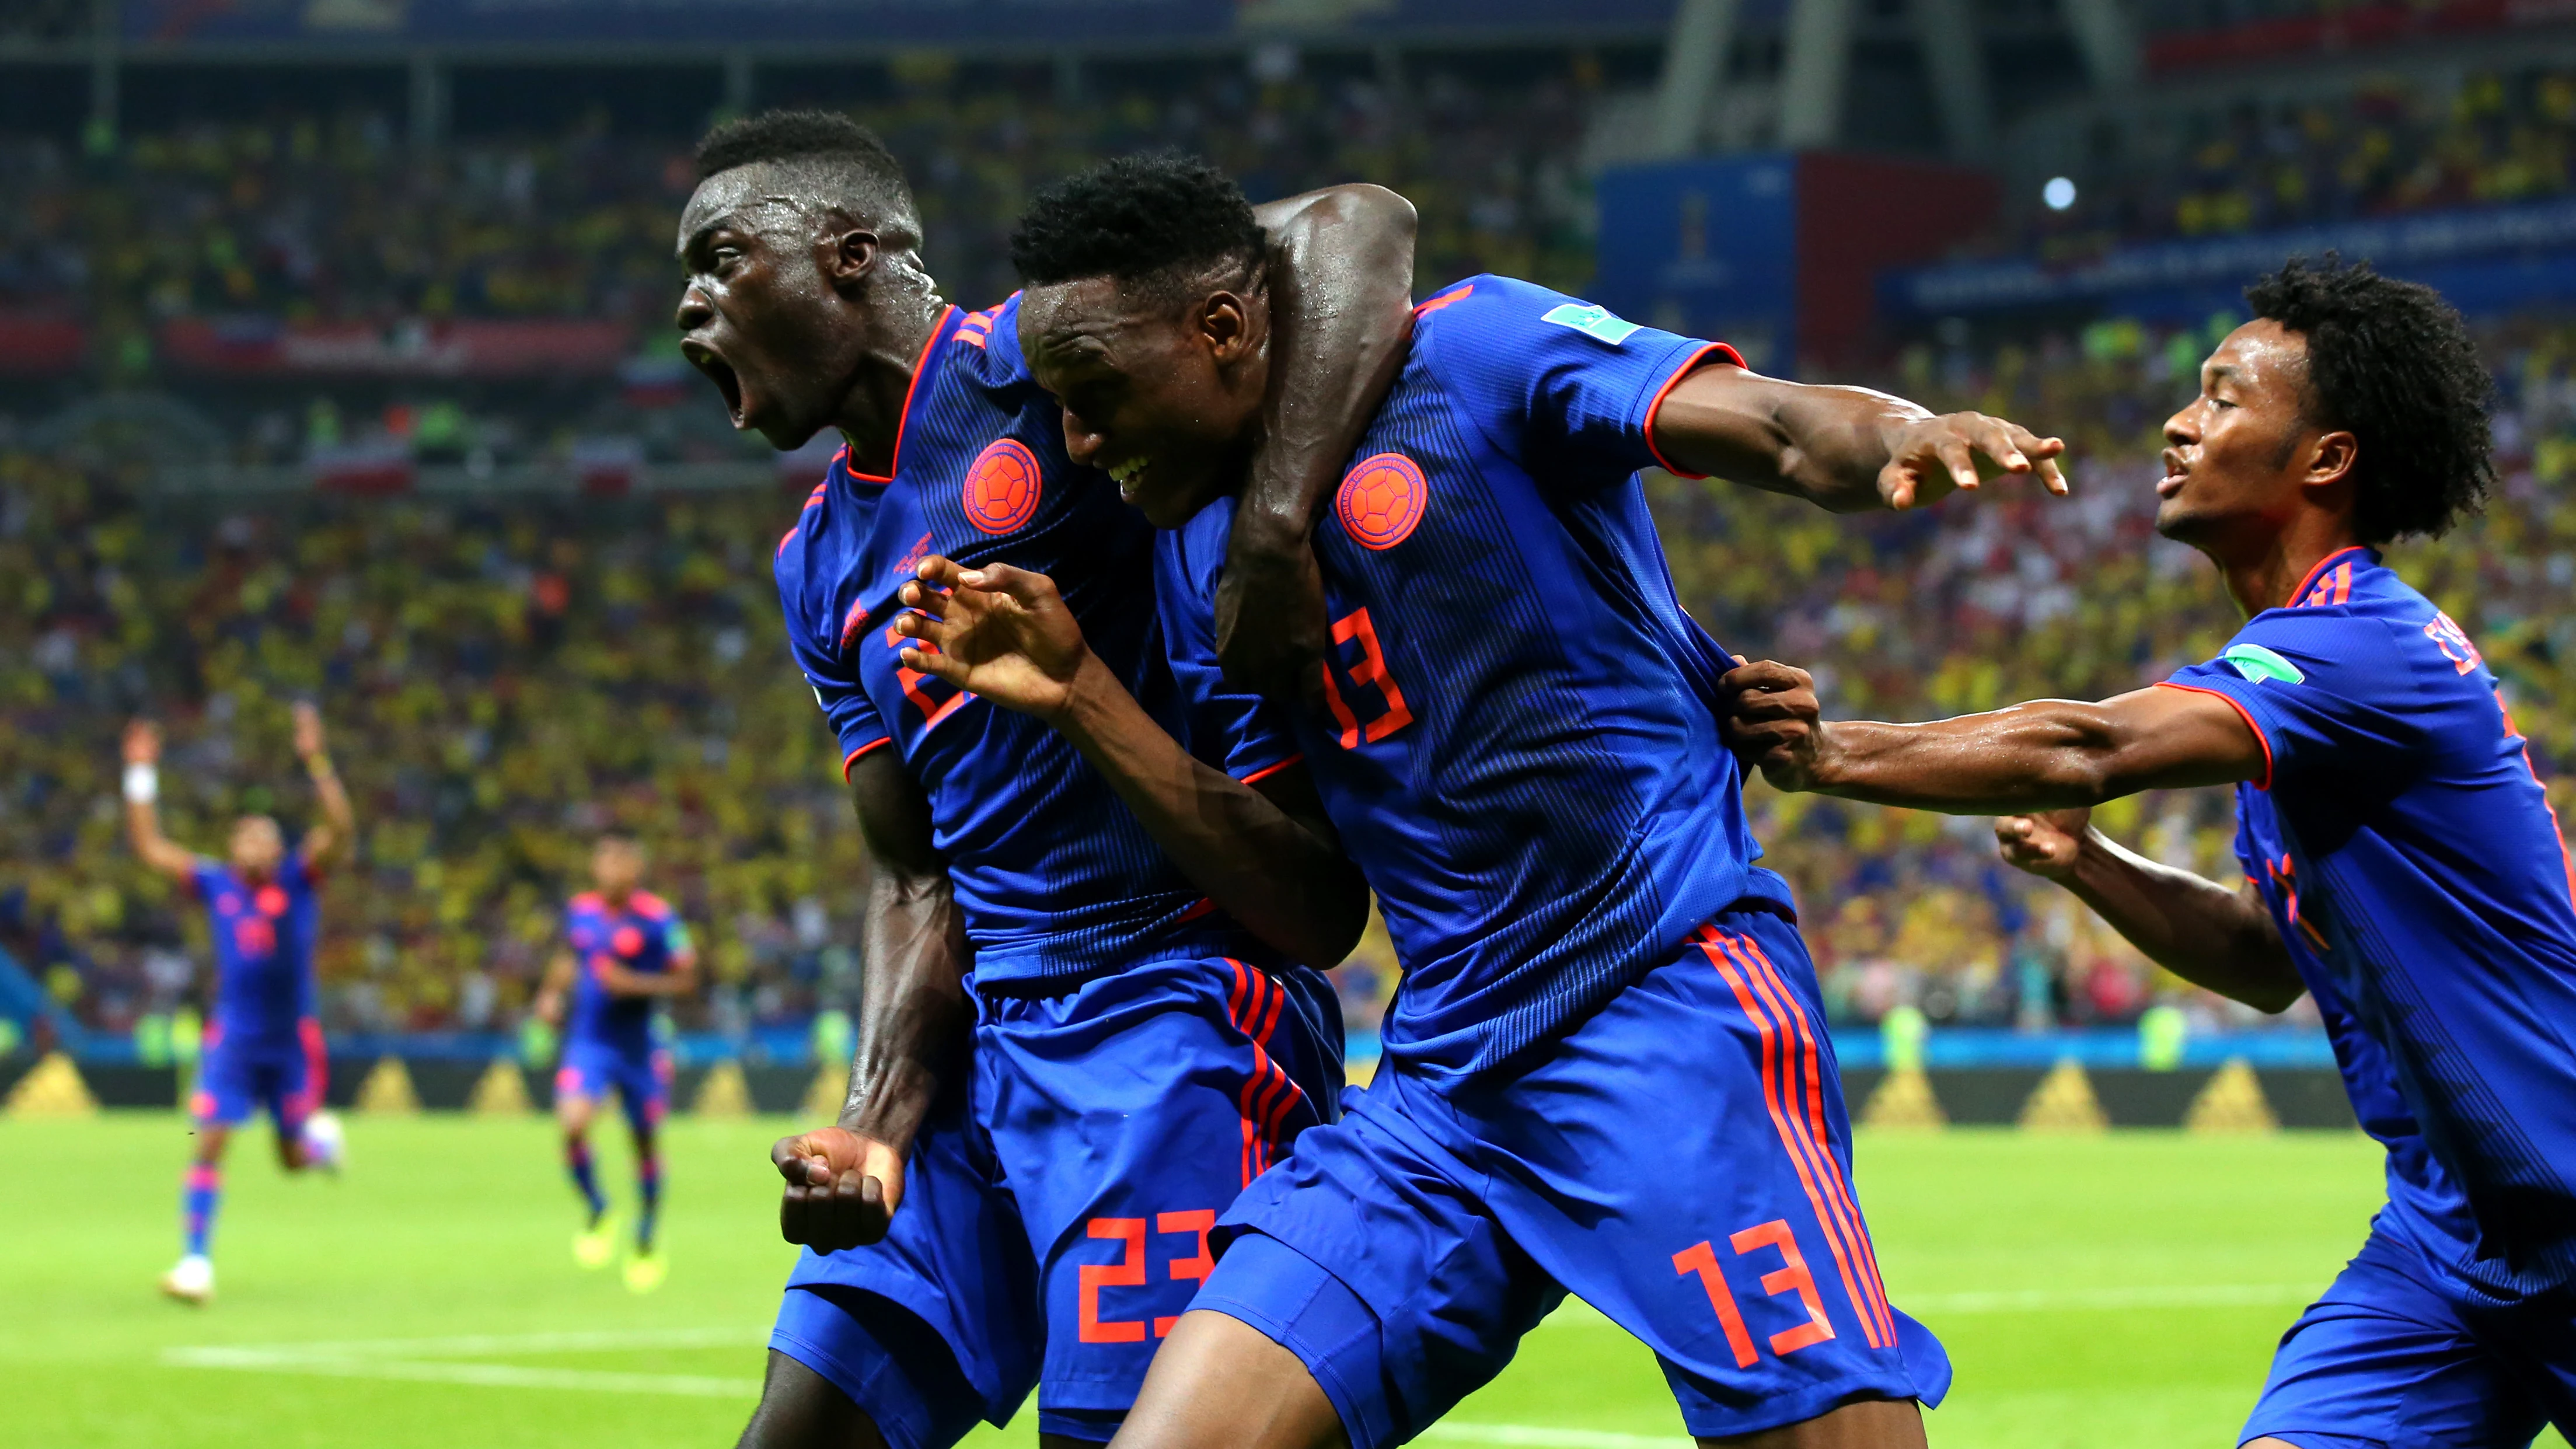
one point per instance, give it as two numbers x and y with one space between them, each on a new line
2493 256
1707 248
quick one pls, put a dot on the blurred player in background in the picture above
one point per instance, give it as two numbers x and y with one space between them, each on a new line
2401 860
1033 1213
1606 1070
263 1047
626 951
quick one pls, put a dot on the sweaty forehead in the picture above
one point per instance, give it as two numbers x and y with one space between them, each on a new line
761 197
2262 351
1080 320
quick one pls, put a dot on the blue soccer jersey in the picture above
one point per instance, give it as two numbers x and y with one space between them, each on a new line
263 932
2411 861
1057 879
641 934
1521 751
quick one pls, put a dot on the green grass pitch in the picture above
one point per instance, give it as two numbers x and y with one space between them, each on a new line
2118 1292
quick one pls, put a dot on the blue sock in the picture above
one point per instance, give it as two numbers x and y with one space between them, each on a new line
205 1188
577 1160
648 1186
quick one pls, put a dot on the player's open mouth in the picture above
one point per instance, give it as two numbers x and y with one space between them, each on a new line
727 381
2176 471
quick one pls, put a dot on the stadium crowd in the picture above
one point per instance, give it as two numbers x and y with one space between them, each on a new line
2389 145
336 217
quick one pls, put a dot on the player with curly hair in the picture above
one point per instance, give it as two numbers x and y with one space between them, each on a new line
2402 863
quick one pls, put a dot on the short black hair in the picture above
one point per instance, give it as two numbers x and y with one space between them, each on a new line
2391 363
1154 222
853 168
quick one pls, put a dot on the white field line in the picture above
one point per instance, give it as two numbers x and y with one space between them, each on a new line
440 1360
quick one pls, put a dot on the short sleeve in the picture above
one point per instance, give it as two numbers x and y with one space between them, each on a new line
205 879
2321 688
814 645
1230 729
1561 386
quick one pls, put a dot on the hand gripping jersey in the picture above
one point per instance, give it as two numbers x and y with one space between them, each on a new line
640 934
263 935
1521 753
2413 865
1058 879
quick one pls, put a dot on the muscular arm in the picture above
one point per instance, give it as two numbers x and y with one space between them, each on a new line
1263 852
339 823
1845 449
2048 754
2193 927
844 1182
1341 300
680 980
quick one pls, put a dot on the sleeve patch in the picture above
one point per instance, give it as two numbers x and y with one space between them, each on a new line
2258 664
1592 321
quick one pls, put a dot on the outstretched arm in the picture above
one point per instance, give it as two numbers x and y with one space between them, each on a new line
1846 449
1341 308
142 810
1263 851
339 823
2036 758
2049 754
2193 927
844 1182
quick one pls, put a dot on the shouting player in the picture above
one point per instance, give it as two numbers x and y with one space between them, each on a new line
625 951
263 1047
2401 861
1035 1211
1606 1070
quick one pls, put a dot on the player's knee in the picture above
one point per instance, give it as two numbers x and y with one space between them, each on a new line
801 1409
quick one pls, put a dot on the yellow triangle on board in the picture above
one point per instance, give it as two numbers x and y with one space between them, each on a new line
500 1092
1903 1102
2231 1101
52 1088
2064 1102
387 1090
724 1093
830 1091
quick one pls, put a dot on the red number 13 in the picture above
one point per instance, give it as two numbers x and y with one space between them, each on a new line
1369 668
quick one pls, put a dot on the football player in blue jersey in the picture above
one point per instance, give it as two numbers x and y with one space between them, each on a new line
1606 1070
2401 861
263 1043
625 951
1035 1211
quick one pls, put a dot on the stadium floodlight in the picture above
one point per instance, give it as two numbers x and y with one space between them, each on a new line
2059 193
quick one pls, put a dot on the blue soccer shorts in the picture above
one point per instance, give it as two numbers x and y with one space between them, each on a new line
236 1078
1680 1160
641 1078
1056 1210
2387 1360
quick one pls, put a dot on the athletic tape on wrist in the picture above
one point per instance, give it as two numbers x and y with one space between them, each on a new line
142 784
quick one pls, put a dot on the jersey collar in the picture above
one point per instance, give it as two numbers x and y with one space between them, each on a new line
2316 588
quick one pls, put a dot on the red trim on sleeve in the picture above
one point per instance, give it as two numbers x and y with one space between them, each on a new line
853 757
904 418
1266 771
2241 713
1689 365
